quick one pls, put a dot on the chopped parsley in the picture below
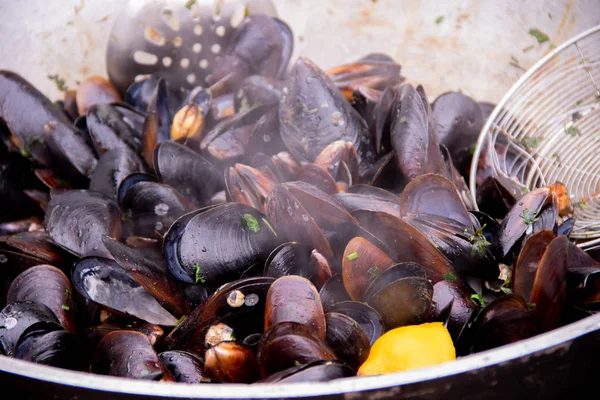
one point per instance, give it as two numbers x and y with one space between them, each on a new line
189 4
68 292
198 275
472 148
449 277
506 287
531 143
251 222
66 307
402 119
529 216
297 363
531 306
479 242
374 272
572 131
439 19
352 256
269 226
582 205
313 111
180 320
478 300
59 81
540 36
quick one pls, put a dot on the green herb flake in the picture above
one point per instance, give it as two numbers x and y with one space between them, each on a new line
531 143
313 111
572 131
582 205
526 49
180 321
550 15
189 4
526 188
479 242
68 292
59 81
269 226
552 46
66 307
439 19
374 272
198 275
352 256
251 222
597 98
402 119
529 216
531 306
232 336
297 363
449 277
472 148
506 287
24 152
540 36
478 300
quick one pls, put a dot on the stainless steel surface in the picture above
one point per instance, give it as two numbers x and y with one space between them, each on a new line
547 127
180 40
480 47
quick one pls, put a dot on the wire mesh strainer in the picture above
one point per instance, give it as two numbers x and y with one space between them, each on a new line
547 129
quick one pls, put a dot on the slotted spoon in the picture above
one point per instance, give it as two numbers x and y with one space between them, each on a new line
549 126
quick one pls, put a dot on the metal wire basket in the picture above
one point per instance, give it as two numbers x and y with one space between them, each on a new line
547 129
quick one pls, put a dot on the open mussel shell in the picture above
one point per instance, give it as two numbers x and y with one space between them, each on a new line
340 160
294 299
249 185
60 349
258 89
15 318
185 367
231 362
404 243
528 261
103 281
459 120
370 320
293 222
317 371
413 135
78 219
95 90
49 286
433 194
151 206
108 130
289 259
154 333
452 305
521 217
496 195
402 295
265 137
187 171
333 291
347 339
315 175
112 168
152 274
507 319
359 201
362 262
245 318
307 126
219 244
128 354
157 125
288 344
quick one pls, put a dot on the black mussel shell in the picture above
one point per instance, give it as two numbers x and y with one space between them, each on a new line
340 160
358 201
157 125
78 219
248 185
154 333
294 299
317 176
453 306
49 286
365 315
219 244
15 318
112 168
402 295
288 344
103 281
29 337
347 339
333 291
185 367
258 89
108 131
307 126
318 371
496 195
127 354
60 349
245 318
289 259
15 176
528 261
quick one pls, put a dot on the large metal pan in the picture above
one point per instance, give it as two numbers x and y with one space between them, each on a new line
478 48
